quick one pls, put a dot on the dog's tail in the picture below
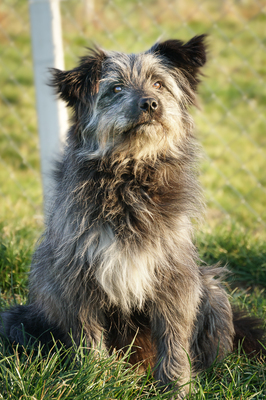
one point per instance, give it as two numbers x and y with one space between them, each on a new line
249 333
26 325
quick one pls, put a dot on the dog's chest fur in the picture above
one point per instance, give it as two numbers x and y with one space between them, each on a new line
131 223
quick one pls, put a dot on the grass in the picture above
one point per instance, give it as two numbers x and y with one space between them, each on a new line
231 126
59 376
245 255
93 375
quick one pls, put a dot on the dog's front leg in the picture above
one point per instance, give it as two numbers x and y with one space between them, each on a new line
92 330
173 315
172 353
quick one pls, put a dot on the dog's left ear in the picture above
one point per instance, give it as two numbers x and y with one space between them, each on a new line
188 57
80 84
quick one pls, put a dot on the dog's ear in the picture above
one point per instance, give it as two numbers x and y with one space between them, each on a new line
80 83
188 57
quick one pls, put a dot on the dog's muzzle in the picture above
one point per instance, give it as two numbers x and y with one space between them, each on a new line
148 104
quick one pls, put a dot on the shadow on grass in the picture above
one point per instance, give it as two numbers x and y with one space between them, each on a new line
244 254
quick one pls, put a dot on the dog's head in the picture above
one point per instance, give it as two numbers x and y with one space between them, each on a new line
134 102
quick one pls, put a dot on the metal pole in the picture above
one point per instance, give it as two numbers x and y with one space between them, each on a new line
47 50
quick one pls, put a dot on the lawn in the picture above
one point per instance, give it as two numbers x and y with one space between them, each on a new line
230 124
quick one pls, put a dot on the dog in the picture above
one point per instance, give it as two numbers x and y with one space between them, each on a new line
117 259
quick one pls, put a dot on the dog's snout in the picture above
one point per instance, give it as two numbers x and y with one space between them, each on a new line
148 104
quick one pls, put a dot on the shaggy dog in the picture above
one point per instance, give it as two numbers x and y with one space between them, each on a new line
117 260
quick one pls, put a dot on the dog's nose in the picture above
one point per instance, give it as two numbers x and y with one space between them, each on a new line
148 104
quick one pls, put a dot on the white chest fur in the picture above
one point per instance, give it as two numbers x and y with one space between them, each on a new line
124 272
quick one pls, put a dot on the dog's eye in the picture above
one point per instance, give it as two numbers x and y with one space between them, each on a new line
157 85
117 89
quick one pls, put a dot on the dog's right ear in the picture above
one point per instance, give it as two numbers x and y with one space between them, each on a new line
189 57
82 82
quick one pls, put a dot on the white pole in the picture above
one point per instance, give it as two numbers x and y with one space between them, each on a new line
47 49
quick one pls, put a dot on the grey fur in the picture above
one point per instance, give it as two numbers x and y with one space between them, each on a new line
117 255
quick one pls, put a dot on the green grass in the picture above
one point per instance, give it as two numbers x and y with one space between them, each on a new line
231 125
58 376
245 255
29 374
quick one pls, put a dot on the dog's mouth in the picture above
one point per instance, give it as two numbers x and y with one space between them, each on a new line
141 126
145 124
